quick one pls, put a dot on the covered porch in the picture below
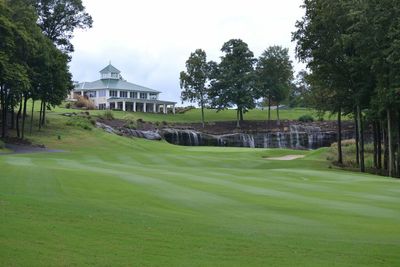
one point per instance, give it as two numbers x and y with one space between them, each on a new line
141 105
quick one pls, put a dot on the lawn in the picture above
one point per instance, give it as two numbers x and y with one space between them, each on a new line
211 115
112 201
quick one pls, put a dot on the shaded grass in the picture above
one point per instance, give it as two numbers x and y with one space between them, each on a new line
113 201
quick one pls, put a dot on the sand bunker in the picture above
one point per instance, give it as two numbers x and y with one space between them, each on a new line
288 157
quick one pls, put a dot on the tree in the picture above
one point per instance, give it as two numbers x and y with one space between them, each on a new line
193 81
274 72
59 18
232 82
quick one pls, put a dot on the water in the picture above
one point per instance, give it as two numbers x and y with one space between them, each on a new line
297 137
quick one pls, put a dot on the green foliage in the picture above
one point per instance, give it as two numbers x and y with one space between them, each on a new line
2 145
233 82
59 19
107 115
81 121
306 118
274 74
193 81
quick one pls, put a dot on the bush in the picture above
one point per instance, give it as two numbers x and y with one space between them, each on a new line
2 145
107 115
83 102
306 118
85 123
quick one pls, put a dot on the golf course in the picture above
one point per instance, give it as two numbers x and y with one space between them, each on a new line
107 200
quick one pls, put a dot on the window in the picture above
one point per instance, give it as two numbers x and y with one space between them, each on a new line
102 106
91 94
123 94
153 96
132 94
143 95
113 93
102 93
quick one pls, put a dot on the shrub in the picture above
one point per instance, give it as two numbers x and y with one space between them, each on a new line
2 145
107 115
82 122
83 102
306 118
131 125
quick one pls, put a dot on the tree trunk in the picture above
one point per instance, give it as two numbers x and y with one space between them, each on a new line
269 110
3 121
361 137
5 113
32 110
237 118
386 149
12 125
390 143
339 140
398 143
40 114
44 114
379 145
18 119
241 115
278 122
357 139
202 114
24 117
375 140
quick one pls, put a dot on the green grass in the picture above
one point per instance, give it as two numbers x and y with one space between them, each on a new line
113 201
211 115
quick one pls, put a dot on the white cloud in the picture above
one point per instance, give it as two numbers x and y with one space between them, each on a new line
149 41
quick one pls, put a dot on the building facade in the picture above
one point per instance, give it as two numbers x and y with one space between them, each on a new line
113 92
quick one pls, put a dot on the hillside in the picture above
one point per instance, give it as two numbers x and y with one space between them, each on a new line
109 200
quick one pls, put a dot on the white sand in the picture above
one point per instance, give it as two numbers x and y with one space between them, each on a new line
288 157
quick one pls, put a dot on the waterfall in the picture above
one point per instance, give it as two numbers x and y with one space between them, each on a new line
294 131
193 137
279 138
266 139
248 140
315 136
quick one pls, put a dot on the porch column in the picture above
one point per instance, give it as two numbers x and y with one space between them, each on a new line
165 109
123 106
144 107
173 109
134 106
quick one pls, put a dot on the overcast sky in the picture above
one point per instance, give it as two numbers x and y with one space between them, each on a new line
150 40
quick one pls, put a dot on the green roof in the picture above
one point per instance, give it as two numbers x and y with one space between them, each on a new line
113 84
110 69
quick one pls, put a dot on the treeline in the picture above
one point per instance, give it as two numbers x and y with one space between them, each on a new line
239 79
352 52
34 54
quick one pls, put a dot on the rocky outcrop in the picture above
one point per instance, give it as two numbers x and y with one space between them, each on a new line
294 136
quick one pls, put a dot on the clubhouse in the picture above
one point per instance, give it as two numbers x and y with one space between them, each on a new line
113 92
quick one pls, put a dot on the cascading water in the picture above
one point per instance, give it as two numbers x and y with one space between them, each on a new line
296 137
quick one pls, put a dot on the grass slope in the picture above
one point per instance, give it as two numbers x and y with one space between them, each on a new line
211 115
112 201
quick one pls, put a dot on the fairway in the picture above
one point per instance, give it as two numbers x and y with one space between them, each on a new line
112 201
